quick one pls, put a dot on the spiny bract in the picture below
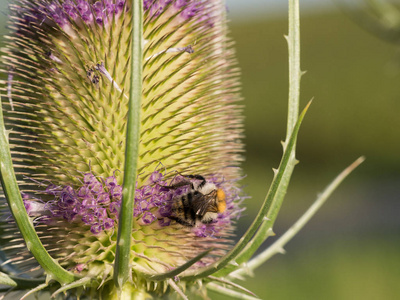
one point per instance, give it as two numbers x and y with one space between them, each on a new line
65 102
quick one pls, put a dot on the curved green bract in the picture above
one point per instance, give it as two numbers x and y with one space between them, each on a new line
268 206
265 230
16 205
277 246
83 282
19 283
273 201
180 269
7 280
295 73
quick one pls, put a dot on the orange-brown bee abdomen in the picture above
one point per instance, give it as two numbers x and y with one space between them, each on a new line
221 200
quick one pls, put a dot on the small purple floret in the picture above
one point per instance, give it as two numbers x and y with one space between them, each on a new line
111 182
148 218
103 198
164 222
96 228
114 208
108 223
79 267
165 211
88 219
34 208
201 231
155 177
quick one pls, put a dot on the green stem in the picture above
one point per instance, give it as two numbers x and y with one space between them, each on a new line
16 205
293 40
122 262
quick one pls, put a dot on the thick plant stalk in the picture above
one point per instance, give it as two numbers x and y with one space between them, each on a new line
123 255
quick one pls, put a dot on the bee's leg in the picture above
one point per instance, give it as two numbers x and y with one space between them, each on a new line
186 182
198 177
177 185
169 187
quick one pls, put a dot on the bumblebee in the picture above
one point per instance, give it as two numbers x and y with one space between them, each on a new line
200 205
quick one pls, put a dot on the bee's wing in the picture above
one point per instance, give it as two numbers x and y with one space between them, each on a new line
203 204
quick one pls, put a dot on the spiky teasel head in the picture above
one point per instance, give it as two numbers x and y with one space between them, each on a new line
68 66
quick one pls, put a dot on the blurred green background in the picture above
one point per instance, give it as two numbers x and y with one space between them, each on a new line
350 249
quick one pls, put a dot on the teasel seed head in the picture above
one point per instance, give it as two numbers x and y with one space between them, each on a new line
69 75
